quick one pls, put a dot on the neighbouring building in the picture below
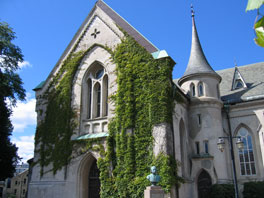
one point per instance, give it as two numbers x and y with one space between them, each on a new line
16 187
213 104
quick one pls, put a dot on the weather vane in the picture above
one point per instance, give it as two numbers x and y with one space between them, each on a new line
192 10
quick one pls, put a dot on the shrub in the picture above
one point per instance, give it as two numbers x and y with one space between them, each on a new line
222 191
253 190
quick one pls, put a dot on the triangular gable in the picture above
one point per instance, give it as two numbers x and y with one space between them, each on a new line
127 27
238 80
89 33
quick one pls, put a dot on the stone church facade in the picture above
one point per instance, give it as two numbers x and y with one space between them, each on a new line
215 104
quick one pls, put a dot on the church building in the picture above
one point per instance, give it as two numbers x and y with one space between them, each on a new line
215 107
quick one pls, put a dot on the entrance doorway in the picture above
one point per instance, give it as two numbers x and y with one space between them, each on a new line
204 185
94 181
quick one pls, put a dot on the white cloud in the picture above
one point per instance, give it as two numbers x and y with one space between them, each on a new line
24 114
25 146
24 64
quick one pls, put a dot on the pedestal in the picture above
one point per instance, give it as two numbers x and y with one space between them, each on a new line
153 192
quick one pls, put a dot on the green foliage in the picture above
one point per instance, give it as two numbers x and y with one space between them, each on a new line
54 133
8 151
254 4
59 122
222 191
259 25
10 89
259 29
144 98
253 189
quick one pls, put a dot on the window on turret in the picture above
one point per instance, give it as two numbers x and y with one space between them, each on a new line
200 89
199 120
197 145
206 147
192 88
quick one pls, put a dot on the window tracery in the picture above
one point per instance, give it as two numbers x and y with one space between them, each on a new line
94 99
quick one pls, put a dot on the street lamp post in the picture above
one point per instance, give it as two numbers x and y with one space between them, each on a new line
240 145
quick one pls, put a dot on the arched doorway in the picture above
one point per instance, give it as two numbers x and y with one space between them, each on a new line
88 178
94 181
204 184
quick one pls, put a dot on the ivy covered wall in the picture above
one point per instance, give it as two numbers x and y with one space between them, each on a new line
144 98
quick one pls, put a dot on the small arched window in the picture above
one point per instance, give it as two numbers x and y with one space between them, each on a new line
246 156
192 88
200 89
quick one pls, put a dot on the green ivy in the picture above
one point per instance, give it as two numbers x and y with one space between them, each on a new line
145 97
53 134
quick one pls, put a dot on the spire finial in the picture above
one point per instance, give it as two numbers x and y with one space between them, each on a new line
235 61
192 10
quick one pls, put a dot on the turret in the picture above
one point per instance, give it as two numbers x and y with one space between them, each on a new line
199 79
201 82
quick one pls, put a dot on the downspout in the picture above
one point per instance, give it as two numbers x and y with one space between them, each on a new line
227 110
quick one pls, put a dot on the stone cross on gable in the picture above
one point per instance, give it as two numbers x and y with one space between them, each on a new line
95 33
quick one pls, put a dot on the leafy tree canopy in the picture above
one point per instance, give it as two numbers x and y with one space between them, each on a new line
10 90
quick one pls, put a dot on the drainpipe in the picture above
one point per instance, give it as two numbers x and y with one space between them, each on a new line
230 137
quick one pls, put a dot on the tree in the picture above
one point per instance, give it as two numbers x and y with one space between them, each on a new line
259 24
10 90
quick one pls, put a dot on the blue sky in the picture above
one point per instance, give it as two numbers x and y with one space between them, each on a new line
44 28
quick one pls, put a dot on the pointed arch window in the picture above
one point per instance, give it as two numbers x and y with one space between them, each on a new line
192 89
246 156
97 100
89 82
200 89
95 92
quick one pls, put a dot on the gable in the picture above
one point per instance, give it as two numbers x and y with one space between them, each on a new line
238 80
253 77
101 26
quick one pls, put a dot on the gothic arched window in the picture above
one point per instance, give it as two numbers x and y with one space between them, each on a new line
246 156
200 89
192 88
97 99
95 92
89 101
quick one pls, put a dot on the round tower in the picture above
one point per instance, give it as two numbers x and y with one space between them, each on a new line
201 83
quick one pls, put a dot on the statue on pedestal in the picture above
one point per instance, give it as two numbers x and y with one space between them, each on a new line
153 177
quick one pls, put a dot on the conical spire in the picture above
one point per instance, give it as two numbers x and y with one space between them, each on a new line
197 61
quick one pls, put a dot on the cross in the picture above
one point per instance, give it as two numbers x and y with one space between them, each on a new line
95 33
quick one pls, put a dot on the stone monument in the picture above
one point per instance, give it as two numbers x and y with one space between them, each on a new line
153 191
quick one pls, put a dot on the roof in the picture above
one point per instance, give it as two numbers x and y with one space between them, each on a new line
127 27
198 63
40 85
118 20
253 77
92 136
